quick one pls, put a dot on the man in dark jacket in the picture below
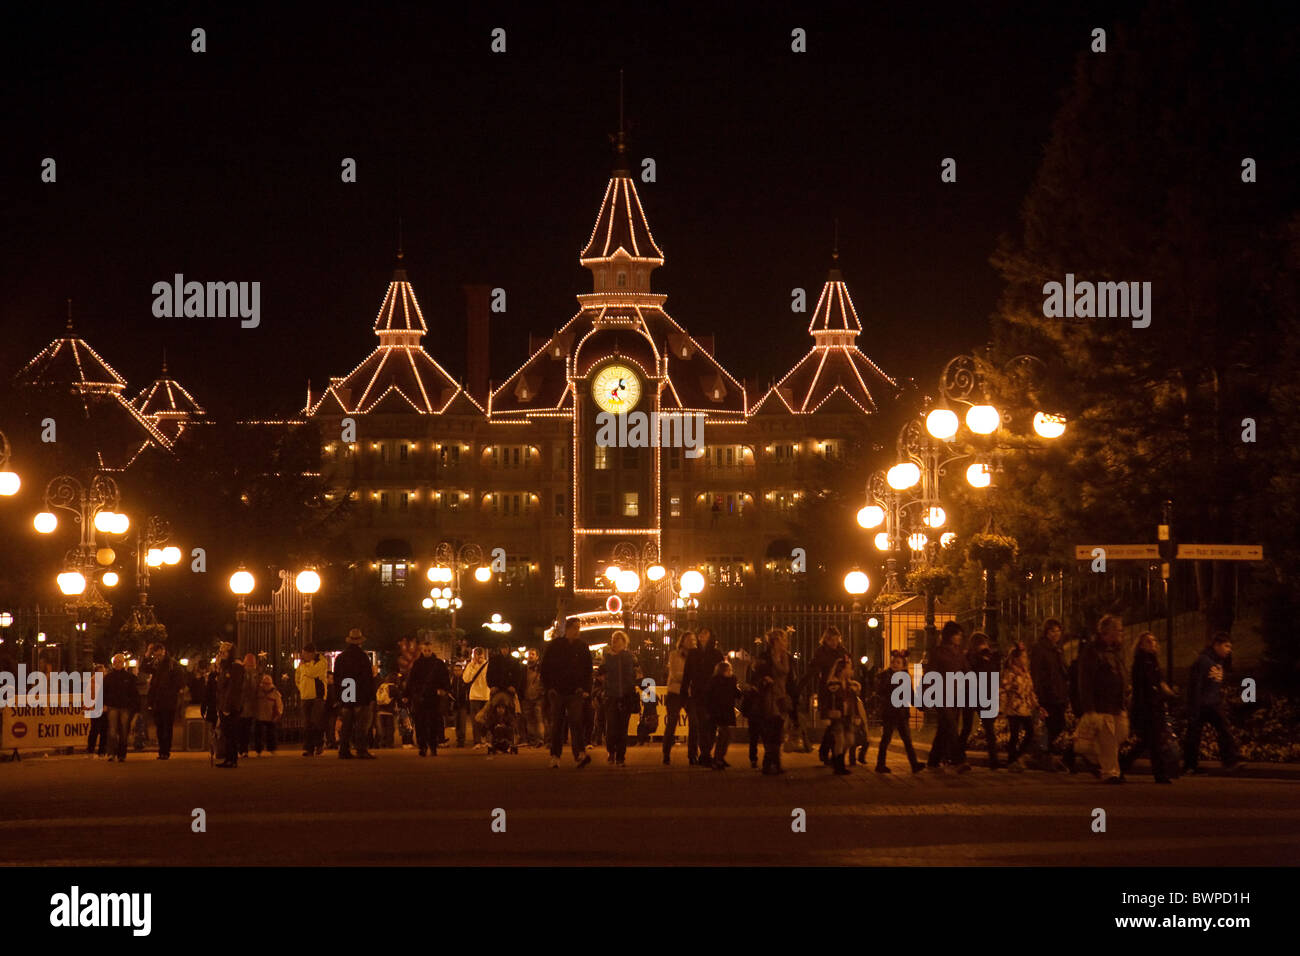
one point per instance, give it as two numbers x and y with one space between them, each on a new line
1051 685
121 700
695 681
355 677
1148 713
566 676
1205 704
1101 694
981 658
947 658
426 685
228 701
164 691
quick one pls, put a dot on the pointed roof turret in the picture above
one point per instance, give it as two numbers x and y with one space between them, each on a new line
399 375
621 223
68 360
835 364
167 403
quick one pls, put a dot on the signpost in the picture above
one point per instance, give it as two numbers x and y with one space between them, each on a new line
1167 549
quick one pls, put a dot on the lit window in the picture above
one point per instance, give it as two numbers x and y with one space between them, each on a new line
601 458
631 504
675 507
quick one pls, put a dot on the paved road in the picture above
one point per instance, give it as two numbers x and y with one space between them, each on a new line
403 810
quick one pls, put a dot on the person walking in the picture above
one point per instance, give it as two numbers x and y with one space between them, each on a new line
1101 698
479 693
1205 704
567 677
97 741
229 702
1020 704
270 708
426 687
311 678
947 658
353 673
980 659
894 719
532 701
248 703
700 664
621 695
121 700
675 701
722 693
829 652
1149 714
164 692
460 707
839 706
1052 685
772 678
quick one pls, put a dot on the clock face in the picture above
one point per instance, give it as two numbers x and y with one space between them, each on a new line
616 389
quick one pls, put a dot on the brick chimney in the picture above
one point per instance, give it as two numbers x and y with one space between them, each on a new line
476 340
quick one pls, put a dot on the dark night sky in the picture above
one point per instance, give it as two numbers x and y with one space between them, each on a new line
225 166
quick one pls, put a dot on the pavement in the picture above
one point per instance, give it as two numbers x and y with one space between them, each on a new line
405 810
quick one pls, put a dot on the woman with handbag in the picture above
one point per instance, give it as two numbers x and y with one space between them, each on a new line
1150 693
621 695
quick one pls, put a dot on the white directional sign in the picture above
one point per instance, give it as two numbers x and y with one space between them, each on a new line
1118 552
1221 552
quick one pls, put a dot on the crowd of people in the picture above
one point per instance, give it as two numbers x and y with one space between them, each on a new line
497 702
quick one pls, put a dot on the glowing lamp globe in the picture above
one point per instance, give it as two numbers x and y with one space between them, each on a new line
446 592
872 516
442 604
427 604
6 619
873 622
627 581
482 574
171 555
105 556
946 539
655 572
45 522
241 583
105 522
983 419
977 475
109 579
903 476
496 618
433 573
121 523
935 517
856 583
941 423
881 541
456 603
71 582
611 573
9 483
916 541
1049 426
154 557
308 582
692 582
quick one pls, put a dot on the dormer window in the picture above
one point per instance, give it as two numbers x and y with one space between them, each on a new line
622 280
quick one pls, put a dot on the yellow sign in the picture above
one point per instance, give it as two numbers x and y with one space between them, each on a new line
1118 552
39 728
1221 552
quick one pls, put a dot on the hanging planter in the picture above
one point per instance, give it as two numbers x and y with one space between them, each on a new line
992 551
931 580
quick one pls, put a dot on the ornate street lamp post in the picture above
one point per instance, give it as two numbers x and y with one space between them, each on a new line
445 574
241 585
